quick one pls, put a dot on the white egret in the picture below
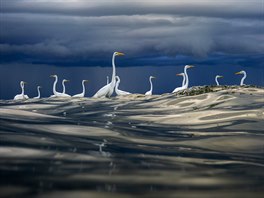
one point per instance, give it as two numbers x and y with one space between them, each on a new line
81 95
118 91
107 90
186 85
151 86
216 79
244 77
186 75
183 83
38 88
21 96
57 94
63 88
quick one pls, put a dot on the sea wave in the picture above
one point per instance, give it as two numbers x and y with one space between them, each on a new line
201 141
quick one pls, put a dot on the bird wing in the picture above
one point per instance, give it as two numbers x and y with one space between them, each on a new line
123 92
102 92
78 95
147 93
177 89
18 97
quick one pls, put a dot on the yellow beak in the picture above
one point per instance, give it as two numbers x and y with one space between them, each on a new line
178 74
221 77
120 54
238 73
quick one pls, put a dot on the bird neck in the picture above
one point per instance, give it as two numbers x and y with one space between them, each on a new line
187 78
38 92
183 80
117 85
242 80
54 85
216 80
114 69
22 90
83 92
63 87
151 86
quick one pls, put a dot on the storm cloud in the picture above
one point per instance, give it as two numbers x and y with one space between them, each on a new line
76 32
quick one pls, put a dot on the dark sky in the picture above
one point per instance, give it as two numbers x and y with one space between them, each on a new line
76 39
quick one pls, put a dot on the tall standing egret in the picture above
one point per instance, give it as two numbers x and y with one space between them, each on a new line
244 77
22 95
57 94
118 91
81 95
216 79
148 93
183 83
63 94
38 88
107 90
186 75
186 85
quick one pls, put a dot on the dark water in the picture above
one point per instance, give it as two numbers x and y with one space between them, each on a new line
211 145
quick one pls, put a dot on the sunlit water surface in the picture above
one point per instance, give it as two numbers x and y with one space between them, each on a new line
207 145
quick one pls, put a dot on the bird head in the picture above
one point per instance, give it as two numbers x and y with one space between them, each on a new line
22 83
65 80
119 54
85 81
189 66
53 76
240 72
219 76
39 87
180 74
152 77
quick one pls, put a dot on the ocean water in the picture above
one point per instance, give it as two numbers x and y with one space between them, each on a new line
191 145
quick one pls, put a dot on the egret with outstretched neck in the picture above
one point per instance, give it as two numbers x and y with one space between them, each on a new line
243 78
216 79
186 75
21 96
183 83
55 93
118 91
63 88
186 84
107 90
38 88
81 95
148 93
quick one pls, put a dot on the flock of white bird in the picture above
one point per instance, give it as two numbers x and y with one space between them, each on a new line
110 87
